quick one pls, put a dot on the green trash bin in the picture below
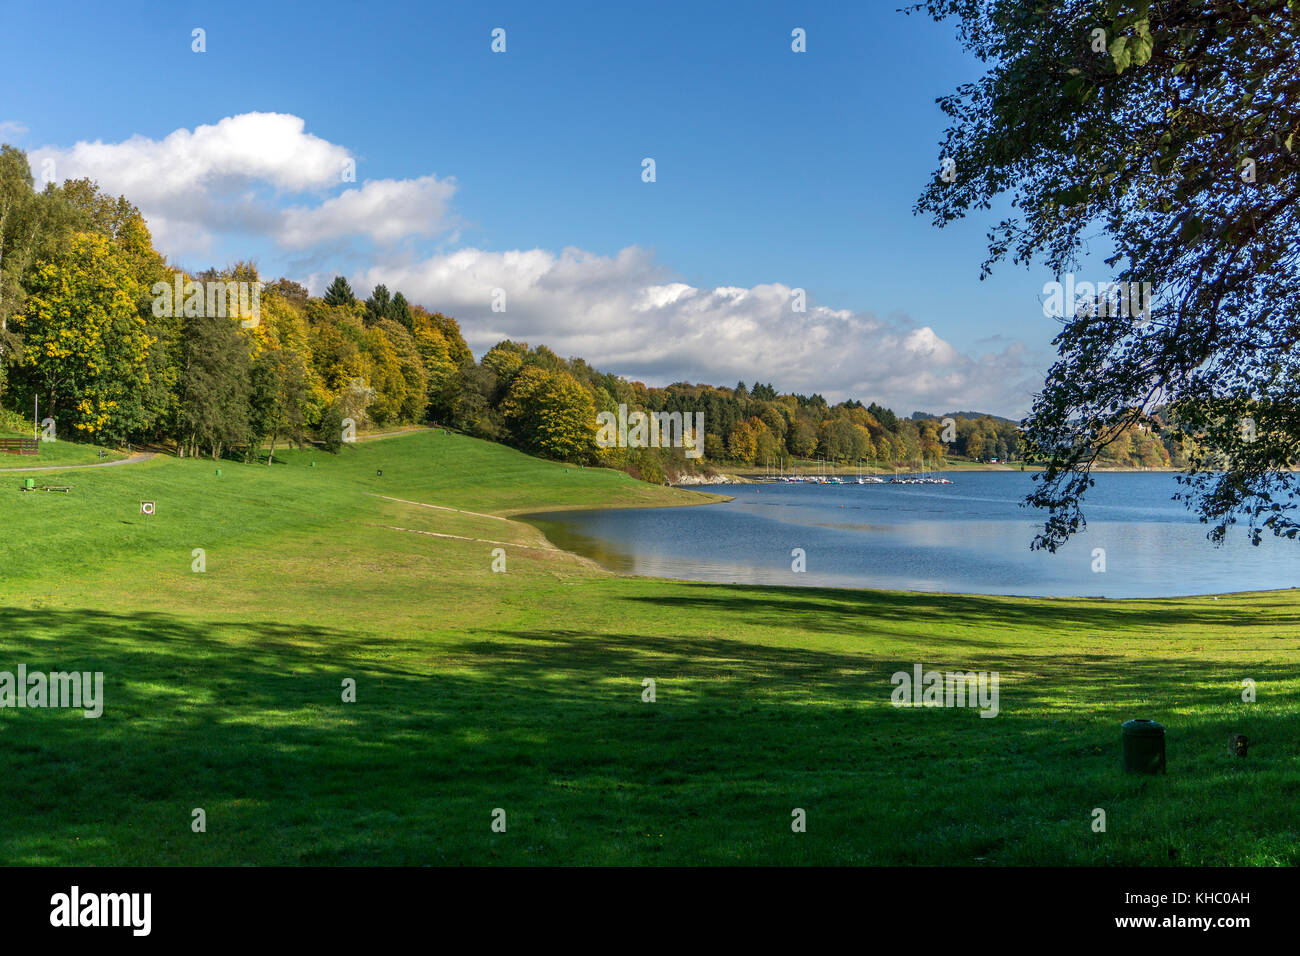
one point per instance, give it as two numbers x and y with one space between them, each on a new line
1144 746
29 483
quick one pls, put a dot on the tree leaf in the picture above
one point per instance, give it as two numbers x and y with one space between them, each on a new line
1120 54
1142 46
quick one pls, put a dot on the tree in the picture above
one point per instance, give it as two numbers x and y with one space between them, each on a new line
400 312
742 443
1173 129
265 412
411 366
862 448
385 374
330 431
377 305
277 394
213 410
336 350
506 358
20 225
766 444
442 375
450 329
836 439
802 440
549 413
295 292
473 404
340 293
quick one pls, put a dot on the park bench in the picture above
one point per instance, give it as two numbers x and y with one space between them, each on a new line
29 484
19 446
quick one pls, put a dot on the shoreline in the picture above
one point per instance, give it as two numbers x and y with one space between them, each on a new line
530 518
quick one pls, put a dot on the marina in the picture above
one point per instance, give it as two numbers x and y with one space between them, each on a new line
777 472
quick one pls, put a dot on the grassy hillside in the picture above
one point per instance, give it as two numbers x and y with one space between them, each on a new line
56 453
522 691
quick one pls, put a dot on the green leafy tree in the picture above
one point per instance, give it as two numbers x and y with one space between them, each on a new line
213 408
378 305
20 228
802 439
330 431
506 359
1172 129
277 398
339 293
399 310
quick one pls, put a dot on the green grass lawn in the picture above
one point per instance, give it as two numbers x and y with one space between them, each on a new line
522 690
56 453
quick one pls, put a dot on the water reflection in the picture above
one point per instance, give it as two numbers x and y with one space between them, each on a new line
970 537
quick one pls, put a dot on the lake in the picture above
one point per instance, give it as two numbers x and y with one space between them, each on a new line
969 537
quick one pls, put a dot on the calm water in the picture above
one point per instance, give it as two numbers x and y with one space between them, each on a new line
971 536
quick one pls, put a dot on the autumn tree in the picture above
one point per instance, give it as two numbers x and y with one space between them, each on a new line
742 444
549 413
411 365
443 386
85 343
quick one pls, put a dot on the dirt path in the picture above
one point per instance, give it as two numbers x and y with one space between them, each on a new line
458 511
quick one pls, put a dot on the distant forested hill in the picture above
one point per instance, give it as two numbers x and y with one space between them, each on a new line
119 346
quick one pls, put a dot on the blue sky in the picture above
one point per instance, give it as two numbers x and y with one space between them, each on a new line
775 170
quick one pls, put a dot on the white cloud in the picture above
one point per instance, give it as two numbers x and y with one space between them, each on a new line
624 314
12 128
195 185
385 210
263 176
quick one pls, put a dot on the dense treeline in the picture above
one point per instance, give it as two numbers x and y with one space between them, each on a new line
120 347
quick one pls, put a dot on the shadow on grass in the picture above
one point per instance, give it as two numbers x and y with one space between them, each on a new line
244 718
835 610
